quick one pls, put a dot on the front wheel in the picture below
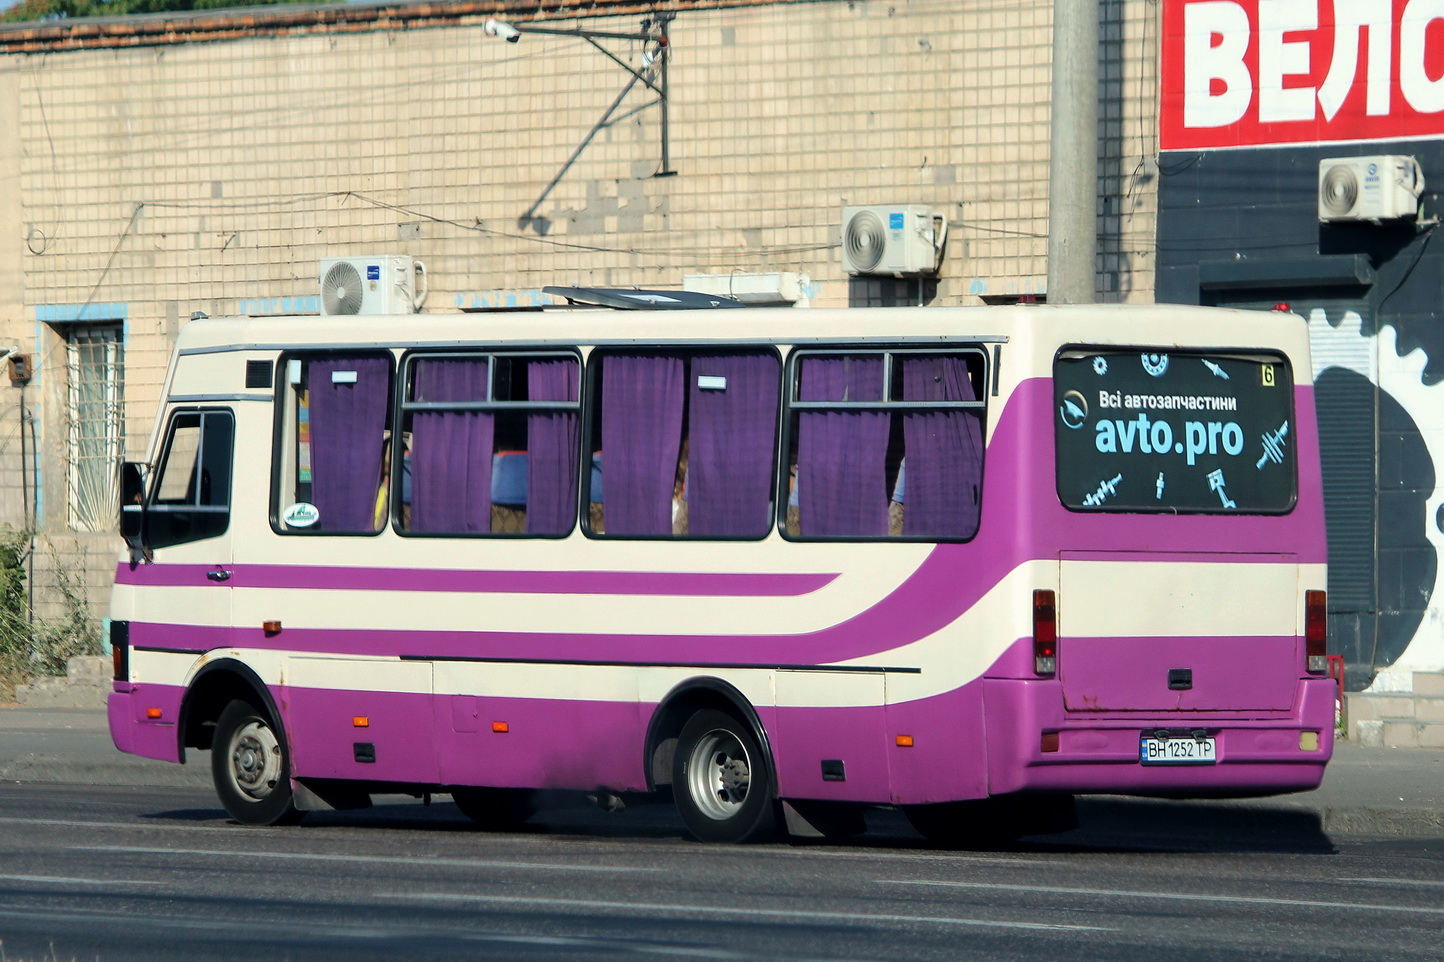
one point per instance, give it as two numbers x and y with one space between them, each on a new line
721 783
251 767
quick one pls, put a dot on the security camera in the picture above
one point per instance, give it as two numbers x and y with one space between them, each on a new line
496 28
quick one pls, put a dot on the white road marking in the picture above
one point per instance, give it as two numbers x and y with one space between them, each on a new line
371 859
64 880
1399 882
738 912
342 932
73 823
1154 896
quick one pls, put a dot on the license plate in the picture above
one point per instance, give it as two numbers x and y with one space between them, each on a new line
1181 750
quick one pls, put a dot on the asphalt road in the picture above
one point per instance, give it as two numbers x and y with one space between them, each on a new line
156 874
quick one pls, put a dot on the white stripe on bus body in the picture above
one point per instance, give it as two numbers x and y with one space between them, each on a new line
945 660
1096 599
1103 598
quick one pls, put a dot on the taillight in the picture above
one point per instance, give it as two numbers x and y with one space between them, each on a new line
1045 632
120 649
1316 631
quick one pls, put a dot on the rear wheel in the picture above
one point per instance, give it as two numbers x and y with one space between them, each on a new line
251 767
721 783
496 809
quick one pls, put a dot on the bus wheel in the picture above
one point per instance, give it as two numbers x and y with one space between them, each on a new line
251 767
721 782
496 809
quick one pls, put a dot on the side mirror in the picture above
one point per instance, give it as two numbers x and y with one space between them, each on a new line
132 504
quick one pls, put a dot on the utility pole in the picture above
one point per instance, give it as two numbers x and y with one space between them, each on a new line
1073 162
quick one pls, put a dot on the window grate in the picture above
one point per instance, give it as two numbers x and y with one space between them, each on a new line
96 428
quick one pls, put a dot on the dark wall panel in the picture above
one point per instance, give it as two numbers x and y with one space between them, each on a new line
1251 215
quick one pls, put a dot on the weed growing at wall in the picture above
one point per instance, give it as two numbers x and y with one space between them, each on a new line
39 646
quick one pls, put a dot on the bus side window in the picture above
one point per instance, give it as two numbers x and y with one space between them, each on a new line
685 443
191 500
334 431
885 444
491 443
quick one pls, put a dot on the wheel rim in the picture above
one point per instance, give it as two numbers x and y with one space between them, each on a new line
719 775
255 760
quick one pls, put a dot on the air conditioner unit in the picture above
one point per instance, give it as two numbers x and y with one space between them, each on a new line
895 239
385 284
1374 188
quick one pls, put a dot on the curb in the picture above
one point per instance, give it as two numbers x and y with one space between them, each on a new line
143 773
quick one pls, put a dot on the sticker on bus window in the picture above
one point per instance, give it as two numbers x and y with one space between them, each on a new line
302 514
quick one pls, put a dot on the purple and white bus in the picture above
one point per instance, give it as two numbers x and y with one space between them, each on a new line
780 565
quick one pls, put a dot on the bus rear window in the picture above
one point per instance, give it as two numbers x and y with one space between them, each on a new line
1195 432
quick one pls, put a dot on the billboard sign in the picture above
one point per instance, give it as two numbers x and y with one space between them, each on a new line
1250 73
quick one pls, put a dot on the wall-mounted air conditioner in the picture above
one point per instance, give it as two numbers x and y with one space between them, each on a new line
1374 188
385 284
895 239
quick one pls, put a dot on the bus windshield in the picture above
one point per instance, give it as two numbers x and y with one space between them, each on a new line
1150 431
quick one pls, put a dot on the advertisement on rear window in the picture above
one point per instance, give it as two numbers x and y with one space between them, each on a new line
1152 431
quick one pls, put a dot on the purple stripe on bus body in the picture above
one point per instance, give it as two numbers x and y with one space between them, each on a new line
950 580
695 584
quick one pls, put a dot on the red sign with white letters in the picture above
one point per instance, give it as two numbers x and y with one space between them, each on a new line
1244 73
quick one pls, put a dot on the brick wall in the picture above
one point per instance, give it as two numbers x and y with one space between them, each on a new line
154 181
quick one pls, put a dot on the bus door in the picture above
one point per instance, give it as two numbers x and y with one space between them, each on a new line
188 573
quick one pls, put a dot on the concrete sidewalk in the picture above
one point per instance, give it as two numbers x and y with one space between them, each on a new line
1366 791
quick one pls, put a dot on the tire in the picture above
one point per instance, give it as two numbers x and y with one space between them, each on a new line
722 782
496 809
251 767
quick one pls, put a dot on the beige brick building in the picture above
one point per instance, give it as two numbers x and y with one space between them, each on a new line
158 166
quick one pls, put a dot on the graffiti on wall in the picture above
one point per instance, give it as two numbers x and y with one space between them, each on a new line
1414 641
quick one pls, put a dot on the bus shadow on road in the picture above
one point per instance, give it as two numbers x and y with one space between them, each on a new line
1106 824
1182 826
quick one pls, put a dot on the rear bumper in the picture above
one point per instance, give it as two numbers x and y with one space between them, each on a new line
1269 754
131 728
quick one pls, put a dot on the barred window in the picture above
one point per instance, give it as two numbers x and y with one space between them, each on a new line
95 429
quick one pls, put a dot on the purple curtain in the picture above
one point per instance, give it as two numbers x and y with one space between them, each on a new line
841 455
641 438
451 450
348 425
732 433
551 478
944 451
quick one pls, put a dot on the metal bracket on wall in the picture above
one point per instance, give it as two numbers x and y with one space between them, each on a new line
653 74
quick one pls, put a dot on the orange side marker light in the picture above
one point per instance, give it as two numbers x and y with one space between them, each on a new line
501 728
360 721
905 741
153 714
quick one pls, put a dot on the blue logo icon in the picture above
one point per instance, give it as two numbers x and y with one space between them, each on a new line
1073 410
